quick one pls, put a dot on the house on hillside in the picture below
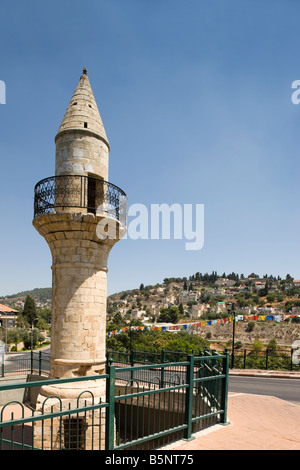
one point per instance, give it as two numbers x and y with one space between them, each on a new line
248 309
220 307
8 316
223 281
135 313
170 299
295 310
259 285
196 311
215 292
188 296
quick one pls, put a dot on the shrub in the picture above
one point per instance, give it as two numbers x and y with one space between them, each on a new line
272 346
250 326
257 346
295 319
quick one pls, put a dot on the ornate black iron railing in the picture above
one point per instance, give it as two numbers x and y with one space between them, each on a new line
94 195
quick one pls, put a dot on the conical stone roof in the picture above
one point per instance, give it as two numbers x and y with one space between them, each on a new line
82 112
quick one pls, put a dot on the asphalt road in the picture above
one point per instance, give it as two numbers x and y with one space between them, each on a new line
286 389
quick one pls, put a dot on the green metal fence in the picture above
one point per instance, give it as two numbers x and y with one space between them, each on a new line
144 406
247 358
268 359
133 356
24 363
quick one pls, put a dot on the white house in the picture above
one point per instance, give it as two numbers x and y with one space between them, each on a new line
259 285
138 313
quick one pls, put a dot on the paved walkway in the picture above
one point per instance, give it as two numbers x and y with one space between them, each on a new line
257 422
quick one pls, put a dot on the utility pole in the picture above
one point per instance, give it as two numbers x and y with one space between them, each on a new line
233 333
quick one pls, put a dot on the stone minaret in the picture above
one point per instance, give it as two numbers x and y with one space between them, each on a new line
73 211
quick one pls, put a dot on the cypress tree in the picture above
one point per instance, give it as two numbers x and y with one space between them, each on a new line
29 312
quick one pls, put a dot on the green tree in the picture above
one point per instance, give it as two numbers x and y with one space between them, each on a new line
29 312
14 335
279 296
113 344
41 324
31 338
169 315
181 310
174 314
155 341
271 297
44 314
118 319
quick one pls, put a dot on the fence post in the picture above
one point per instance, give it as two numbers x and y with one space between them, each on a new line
132 363
245 358
40 362
110 410
2 364
189 398
224 397
31 360
162 372
267 358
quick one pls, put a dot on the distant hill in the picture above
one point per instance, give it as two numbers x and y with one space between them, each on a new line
42 294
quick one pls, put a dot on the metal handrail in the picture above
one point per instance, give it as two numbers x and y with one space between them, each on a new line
58 193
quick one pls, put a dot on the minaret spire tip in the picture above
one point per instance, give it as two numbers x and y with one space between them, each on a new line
84 71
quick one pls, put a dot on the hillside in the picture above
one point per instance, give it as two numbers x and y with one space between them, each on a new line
202 297
42 297
284 333
209 297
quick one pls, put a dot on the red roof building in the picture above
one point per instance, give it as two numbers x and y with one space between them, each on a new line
8 316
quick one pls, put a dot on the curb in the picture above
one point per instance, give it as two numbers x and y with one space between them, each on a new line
265 373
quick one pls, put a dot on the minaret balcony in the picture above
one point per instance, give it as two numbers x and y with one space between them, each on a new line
80 193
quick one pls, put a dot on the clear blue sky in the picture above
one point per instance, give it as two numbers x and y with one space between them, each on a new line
195 97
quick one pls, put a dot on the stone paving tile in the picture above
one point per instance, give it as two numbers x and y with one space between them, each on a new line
256 423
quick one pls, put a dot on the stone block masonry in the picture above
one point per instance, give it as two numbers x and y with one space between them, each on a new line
79 280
